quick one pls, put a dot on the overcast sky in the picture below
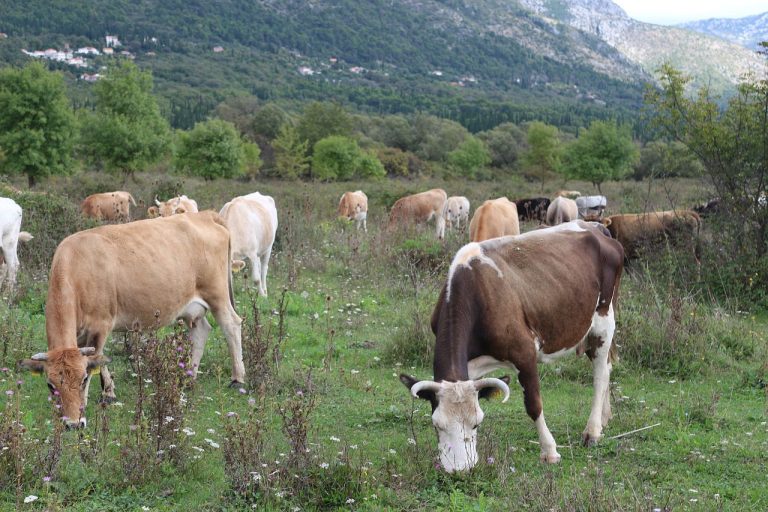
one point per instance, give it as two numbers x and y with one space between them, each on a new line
669 12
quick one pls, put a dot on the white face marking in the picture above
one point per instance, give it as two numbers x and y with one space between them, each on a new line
456 419
464 257
483 365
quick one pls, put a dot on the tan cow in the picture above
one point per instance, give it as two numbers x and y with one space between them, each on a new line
635 230
562 209
179 204
111 206
494 218
570 194
456 211
139 275
252 224
354 206
420 208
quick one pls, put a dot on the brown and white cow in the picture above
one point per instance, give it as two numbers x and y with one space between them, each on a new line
512 302
252 224
420 208
354 206
139 275
111 206
635 230
456 211
562 209
494 218
178 204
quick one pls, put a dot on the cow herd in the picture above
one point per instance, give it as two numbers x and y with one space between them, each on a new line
510 300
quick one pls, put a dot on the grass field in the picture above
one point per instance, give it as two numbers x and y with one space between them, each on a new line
324 422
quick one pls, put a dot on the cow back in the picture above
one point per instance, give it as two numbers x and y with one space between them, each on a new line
494 218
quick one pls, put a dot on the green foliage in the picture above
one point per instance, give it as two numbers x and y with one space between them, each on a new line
340 158
213 149
240 111
434 138
505 144
127 132
659 159
36 123
268 120
542 158
394 160
321 120
602 152
469 157
291 160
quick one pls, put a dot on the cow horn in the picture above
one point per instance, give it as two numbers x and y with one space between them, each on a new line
493 383
425 385
88 351
40 356
158 203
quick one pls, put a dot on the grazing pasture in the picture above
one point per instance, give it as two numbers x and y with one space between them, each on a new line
323 422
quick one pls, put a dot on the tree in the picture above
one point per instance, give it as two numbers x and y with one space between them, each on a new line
602 152
127 131
542 158
434 138
337 157
267 121
36 123
505 143
291 160
213 149
666 160
731 144
470 156
321 120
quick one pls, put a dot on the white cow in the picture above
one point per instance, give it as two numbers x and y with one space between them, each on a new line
10 234
252 224
456 211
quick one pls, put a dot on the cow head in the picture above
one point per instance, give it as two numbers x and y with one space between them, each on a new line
68 372
456 415
166 208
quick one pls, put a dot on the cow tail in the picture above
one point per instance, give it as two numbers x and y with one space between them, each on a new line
132 199
229 273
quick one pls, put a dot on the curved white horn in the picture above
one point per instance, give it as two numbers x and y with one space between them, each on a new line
88 351
40 356
422 385
158 203
494 383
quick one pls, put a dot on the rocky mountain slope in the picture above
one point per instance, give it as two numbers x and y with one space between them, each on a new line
747 31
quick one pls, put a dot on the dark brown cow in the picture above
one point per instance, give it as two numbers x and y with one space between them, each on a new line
512 302
532 208
138 275
634 231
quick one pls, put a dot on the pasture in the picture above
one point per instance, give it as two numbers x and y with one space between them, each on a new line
324 422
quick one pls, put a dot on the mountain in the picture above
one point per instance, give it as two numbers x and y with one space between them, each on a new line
707 58
747 31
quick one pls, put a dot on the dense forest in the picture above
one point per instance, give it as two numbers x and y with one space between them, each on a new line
484 79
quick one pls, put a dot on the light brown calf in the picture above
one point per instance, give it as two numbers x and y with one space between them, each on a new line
420 208
111 206
635 230
354 206
494 218
562 209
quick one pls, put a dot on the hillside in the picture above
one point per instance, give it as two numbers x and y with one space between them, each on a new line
709 59
747 31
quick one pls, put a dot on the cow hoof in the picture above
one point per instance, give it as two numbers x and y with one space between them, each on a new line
236 384
550 458
589 440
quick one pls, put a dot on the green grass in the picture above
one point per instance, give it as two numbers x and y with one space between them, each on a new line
361 292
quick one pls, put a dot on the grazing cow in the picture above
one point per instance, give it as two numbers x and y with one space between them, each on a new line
494 218
354 206
508 303
634 231
456 211
252 224
591 205
111 206
140 275
420 208
533 208
570 194
179 204
10 235
711 207
560 210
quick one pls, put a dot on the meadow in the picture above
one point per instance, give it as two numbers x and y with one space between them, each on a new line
324 422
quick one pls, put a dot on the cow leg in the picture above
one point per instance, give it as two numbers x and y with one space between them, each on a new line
98 340
3 269
603 327
230 323
11 260
529 379
264 267
256 271
199 329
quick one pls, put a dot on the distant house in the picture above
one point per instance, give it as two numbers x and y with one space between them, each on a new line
333 60
87 50
306 71
112 41
356 70
150 54
128 54
3 35
87 77
107 51
218 49
436 73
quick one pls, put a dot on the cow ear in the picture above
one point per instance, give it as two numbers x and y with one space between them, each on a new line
180 209
237 265
152 211
492 392
34 366
426 394
606 221
95 362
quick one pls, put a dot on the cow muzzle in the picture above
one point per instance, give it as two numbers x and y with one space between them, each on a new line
74 424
